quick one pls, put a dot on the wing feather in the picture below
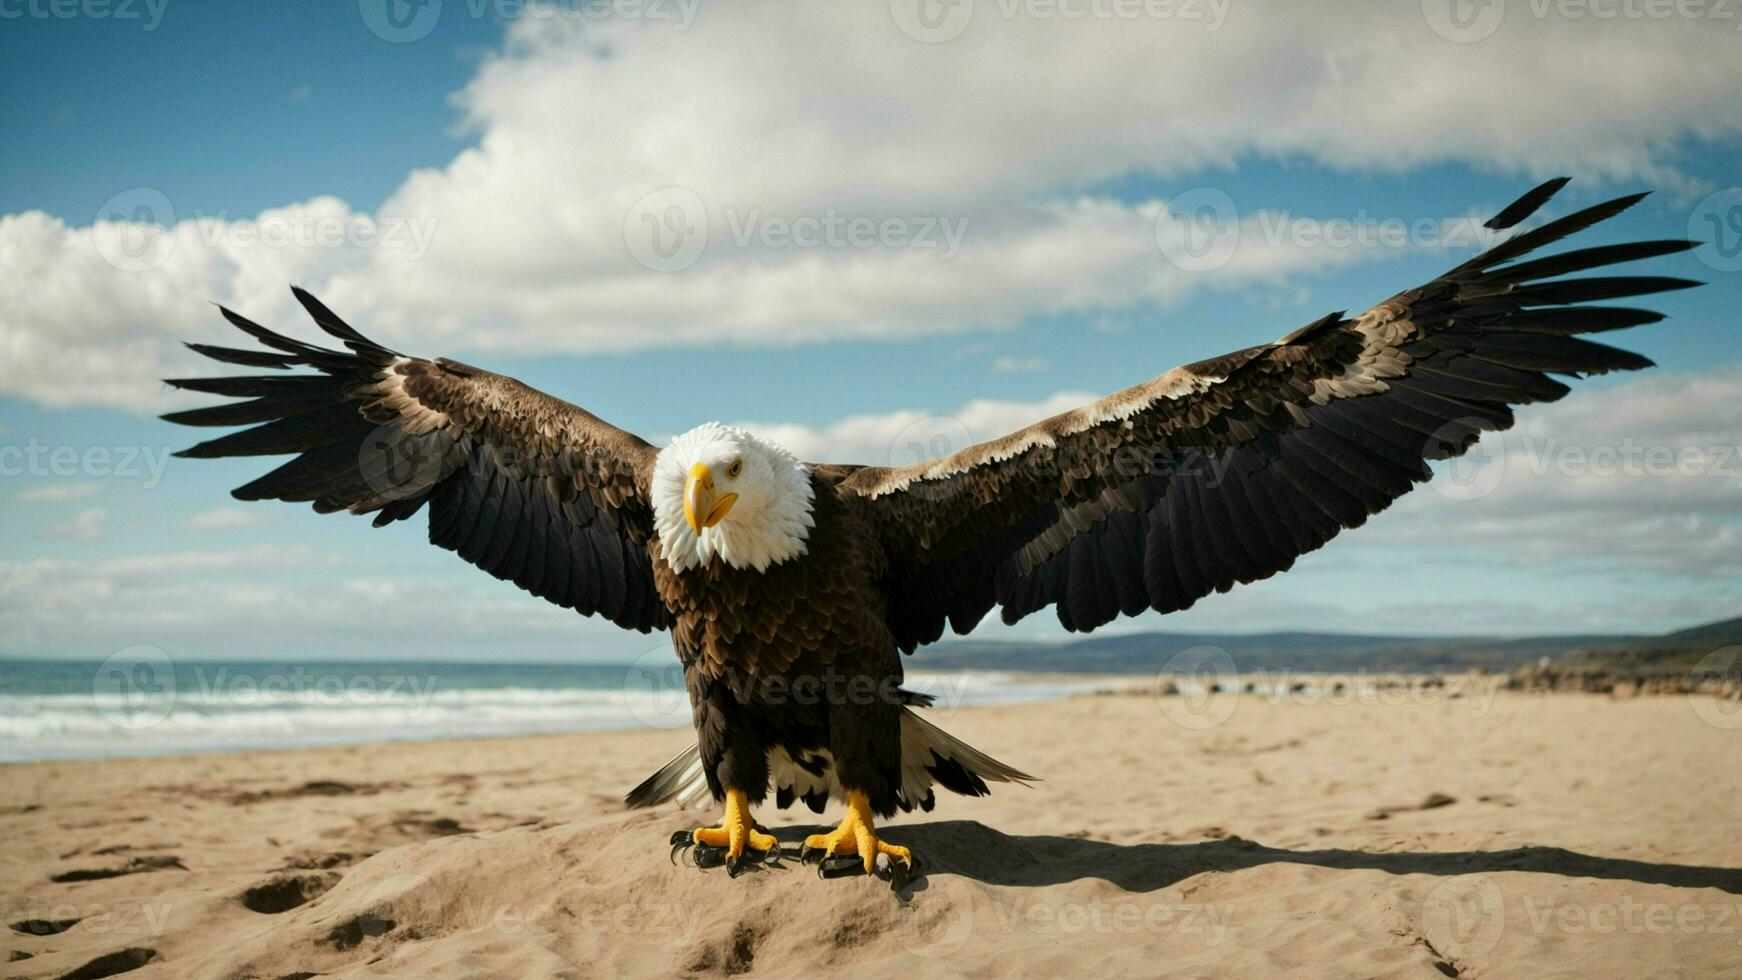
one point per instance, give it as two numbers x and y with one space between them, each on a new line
1249 460
527 487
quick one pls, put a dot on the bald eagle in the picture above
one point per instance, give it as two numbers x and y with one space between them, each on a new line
792 589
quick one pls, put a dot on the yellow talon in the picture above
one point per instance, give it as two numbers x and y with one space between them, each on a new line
736 829
857 835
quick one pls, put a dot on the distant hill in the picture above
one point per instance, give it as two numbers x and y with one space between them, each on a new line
1679 650
1146 653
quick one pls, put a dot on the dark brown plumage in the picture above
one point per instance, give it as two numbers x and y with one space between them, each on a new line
1212 474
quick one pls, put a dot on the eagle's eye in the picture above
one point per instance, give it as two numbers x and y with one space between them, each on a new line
736 468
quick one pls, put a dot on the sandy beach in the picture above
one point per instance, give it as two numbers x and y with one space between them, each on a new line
1474 836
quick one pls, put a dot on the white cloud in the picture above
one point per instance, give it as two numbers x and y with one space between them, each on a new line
225 519
775 116
1645 474
58 493
913 435
90 524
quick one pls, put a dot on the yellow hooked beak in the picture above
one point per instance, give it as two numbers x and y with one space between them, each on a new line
700 507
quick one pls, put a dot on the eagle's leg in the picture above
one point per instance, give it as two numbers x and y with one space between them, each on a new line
865 744
736 833
857 836
735 761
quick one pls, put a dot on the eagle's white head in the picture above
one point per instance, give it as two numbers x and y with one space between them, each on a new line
719 491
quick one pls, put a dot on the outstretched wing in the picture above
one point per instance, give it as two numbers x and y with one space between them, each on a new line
523 485
1226 470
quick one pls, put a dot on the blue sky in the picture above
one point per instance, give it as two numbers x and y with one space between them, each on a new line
526 145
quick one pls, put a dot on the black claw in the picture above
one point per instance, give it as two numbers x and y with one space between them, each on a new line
679 841
899 874
707 856
841 866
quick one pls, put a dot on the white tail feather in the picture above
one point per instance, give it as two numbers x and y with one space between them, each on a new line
929 756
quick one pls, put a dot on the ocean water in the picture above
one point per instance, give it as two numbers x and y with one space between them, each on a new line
141 703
